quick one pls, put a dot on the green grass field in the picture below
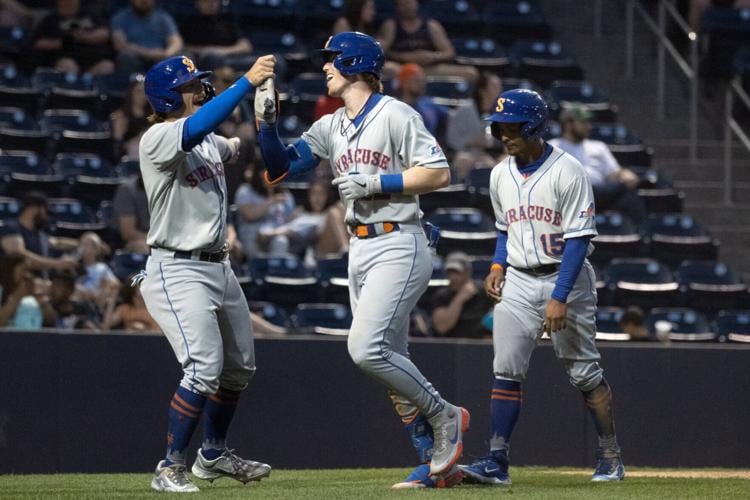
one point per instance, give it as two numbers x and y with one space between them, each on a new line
529 482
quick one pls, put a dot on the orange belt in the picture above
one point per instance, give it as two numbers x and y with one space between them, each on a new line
364 231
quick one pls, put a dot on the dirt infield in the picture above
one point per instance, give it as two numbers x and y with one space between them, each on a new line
672 473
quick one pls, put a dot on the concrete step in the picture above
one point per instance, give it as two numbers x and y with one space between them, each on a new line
719 216
708 172
703 193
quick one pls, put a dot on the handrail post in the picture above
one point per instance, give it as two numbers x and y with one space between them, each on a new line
660 63
728 112
694 84
629 14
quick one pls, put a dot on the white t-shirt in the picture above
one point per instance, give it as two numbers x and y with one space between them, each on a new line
595 157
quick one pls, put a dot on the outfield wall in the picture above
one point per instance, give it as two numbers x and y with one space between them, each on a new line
98 403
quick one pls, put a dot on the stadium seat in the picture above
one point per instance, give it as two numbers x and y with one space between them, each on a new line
72 218
282 279
567 93
57 120
723 31
92 178
482 52
608 324
282 42
711 286
324 319
10 208
510 20
733 326
17 118
618 237
49 78
37 141
98 143
466 229
266 13
87 100
23 171
10 76
333 275
126 264
448 90
271 313
676 237
305 88
544 62
478 186
624 144
458 17
686 324
291 128
27 98
129 166
659 200
642 282
453 195
12 40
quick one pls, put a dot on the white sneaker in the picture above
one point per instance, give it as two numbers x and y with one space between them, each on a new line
229 465
173 479
448 427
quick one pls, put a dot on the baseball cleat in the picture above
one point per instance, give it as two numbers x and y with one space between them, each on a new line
421 478
488 470
229 465
608 468
172 479
448 428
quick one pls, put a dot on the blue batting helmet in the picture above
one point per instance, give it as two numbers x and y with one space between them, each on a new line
355 53
163 79
522 106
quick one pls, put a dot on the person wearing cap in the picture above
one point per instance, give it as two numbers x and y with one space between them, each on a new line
460 307
614 186
412 87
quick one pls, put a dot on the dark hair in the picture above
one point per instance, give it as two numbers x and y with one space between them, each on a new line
353 14
372 81
127 105
330 196
67 278
35 199
8 265
154 118
633 315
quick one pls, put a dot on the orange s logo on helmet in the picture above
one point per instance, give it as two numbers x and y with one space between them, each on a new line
188 64
500 105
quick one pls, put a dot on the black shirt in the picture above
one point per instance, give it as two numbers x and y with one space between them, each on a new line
209 30
469 323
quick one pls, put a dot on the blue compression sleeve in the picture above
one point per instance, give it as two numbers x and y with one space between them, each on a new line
282 160
573 256
501 249
211 114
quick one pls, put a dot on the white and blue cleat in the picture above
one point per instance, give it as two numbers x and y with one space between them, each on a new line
608 469
421 478
486 471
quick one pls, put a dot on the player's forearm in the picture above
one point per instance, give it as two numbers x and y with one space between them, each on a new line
215 111
420 180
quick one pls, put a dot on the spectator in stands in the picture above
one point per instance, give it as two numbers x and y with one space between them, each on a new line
131 215
698 7
633 322
128 122
467 129
18 306
98 283
73 41
70 313
28 237
319 227
143 35
131 313
614 186
261 206
412 87
460 307
359 15
411 38
212 36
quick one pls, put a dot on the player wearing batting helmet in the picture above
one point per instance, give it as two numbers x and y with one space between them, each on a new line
382 158
188 284
544 210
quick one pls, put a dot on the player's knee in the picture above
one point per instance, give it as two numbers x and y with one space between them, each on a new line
585 375
362 355
237 380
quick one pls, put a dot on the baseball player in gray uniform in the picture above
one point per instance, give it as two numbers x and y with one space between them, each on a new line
188 284
544 208
382 157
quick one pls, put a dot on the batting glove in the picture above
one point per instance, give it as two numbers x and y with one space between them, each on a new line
355 186
234 147
266 101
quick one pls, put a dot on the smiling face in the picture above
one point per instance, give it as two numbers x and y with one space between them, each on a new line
335 81
193 94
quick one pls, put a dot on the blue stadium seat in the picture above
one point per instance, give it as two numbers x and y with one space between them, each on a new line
567 93
13 40
37 141
324 319
642 282
723 31
677 237
10 208
271 313
129 166
87 100
448 90
279 14
466 229
305 88
511 20
98 143
544 62
57 120
17 118
659 200
483 52
126 264
333 275
733 326
10 76
72 218
453 195
711 286
92 178
686 324
281 42
291 128
23 171
618 237
282 279
457 16
27 98
608 324
48 78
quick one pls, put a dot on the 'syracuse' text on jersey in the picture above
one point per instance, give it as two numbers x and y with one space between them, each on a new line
186 191
540 211
390 139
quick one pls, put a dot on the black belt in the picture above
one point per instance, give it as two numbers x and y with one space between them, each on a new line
204 256
540 270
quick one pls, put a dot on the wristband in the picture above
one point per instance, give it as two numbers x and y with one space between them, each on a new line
392 183
495 266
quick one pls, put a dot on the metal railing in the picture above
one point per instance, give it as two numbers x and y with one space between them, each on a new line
689 69
732 127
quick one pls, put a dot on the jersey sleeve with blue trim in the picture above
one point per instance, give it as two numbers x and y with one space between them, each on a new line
500 223
418 146
318 136
576 200
161 145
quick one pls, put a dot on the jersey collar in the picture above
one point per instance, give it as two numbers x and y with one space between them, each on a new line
350 127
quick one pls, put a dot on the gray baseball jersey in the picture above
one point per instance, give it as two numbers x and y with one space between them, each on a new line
198 304
187 192
540 212
387 273
391 138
